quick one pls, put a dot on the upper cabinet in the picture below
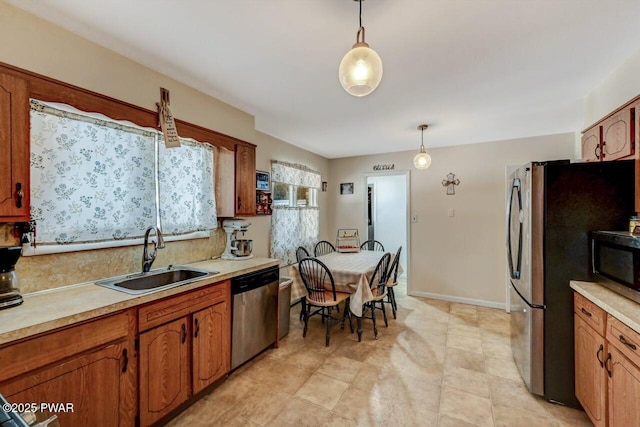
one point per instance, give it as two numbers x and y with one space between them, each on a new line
613 137
245 180
14 146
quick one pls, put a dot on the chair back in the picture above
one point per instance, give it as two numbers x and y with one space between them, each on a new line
301 253
380 275
393 270
317 279
323 247
372 245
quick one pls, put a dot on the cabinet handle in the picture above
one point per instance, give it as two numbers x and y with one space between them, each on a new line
19 194
631 345
184 333
239 203
582 309
607 366
600 350
595 152
197 328
125 356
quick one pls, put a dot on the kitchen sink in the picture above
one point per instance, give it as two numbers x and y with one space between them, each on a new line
155 280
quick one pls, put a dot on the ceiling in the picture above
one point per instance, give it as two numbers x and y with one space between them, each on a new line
474 70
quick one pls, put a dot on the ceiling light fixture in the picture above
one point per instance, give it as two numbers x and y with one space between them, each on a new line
360 70
422 160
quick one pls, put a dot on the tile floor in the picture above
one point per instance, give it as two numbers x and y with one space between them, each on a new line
439 364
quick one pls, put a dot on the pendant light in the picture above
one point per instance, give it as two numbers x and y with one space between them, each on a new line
422 160
360 70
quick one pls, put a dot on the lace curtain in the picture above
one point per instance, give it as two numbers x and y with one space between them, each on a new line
97 180
292 227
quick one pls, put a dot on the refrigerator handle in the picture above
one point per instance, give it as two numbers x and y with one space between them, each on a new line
542 307
513 272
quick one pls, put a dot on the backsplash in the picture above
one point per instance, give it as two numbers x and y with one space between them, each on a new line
36 273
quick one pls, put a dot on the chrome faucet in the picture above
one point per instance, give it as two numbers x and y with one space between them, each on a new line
148 258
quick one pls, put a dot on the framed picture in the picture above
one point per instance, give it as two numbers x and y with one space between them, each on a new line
346 188
262 181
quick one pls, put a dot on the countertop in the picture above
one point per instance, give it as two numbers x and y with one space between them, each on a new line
623 309
54 308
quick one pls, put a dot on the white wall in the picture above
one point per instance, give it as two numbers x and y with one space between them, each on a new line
390 213
617 89
462 257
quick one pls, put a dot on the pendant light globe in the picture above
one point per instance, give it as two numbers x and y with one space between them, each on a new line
360 70
422 160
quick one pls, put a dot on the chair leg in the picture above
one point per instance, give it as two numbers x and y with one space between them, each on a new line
384 314
373 317
392 298
303 305
328 326
359 328
306 323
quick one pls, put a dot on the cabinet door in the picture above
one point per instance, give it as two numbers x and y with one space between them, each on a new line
97 388
624 389
245 180
618 135
164 370
211 345
14 146
591 144
591 378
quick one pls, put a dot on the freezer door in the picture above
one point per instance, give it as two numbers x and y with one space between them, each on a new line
527 341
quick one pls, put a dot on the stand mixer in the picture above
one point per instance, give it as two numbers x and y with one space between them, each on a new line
9 292
236 249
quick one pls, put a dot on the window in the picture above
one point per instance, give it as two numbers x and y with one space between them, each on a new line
95 180
295 219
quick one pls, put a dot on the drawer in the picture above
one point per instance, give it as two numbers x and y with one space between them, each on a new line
624 339
590 313
168 309
55 346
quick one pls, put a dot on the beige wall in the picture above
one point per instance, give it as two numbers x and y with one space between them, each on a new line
36 45
619 87
461 257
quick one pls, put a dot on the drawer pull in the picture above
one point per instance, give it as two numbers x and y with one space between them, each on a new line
125 364
197 328
631 345
19 195
600 350
582 309
184 333
607 366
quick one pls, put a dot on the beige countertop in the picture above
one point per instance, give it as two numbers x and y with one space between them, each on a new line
623 309
47 310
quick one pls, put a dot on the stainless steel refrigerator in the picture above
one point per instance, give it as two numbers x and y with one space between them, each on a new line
551 208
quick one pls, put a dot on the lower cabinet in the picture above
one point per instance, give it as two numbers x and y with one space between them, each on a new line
606 366
182 357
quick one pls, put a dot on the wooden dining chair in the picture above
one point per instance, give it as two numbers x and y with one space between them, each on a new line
392 282
378 287
321 293
323 247
372 245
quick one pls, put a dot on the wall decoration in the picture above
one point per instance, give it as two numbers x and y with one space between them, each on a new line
262 181
450 183
346 188
263 203
324 186
387 167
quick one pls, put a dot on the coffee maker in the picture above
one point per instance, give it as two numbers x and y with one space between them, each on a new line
9 292
236 249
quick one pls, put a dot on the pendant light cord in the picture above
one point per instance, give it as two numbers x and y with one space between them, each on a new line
360 13
422 140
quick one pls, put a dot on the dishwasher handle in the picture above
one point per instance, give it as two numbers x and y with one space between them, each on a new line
251 281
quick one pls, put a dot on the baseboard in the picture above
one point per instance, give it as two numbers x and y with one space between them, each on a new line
482 303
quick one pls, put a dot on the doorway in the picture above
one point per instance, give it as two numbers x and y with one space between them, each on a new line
387 213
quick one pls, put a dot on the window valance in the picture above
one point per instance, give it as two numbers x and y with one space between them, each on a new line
292 174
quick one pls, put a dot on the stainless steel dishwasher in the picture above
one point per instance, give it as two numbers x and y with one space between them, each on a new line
254 317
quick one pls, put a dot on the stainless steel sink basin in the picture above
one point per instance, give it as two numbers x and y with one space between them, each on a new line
155 280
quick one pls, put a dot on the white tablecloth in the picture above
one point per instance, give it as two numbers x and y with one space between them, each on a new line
351 273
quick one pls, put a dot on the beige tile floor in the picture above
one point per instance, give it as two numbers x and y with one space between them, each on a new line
439 364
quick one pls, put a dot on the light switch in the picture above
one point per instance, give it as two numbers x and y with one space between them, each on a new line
414 218
451 212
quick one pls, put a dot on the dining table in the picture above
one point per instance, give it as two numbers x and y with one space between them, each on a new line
351 273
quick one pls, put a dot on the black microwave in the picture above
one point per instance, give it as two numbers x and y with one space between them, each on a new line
615 262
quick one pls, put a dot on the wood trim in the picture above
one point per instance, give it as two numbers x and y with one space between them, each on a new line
48 89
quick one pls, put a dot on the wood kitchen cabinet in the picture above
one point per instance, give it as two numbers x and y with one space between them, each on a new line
14 146
590 377
91 366
245 180
185 346
591 138
618 135
624 389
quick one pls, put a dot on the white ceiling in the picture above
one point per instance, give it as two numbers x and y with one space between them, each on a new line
474 70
